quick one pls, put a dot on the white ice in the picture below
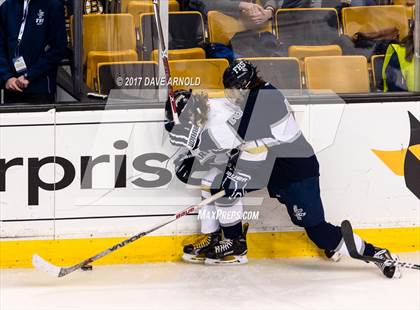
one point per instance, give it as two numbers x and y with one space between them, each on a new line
298 283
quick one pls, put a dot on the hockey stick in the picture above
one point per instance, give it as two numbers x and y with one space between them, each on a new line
165 61
56 271
347 232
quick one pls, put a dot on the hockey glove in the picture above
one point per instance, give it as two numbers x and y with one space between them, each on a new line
183 166
186 135
234 183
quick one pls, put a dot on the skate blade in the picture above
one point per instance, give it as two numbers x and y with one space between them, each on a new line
193 259
228 260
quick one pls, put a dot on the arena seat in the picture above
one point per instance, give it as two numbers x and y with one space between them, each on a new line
124 5
281 72
303 51
126 75
374 18
107 35
223 27
307 26
209 71
377 63
136 8
186 53
399 2
411 12
186 30
341 74
94 58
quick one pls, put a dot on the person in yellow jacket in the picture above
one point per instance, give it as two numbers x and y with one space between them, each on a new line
398 67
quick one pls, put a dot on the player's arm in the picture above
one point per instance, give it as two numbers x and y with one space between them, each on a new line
193 137
247 170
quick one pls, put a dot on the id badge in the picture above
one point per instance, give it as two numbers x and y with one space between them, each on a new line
20 65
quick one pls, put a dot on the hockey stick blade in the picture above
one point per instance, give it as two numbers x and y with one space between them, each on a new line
347 232
56 271
42 265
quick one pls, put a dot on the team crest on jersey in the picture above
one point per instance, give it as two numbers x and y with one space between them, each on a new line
235 117
299 214
40 19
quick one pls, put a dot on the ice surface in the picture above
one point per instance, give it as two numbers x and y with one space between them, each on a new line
298 283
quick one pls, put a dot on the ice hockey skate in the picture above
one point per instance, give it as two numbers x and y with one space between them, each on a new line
392 272
229 251
195 252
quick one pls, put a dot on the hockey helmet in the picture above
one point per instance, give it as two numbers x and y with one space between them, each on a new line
240 75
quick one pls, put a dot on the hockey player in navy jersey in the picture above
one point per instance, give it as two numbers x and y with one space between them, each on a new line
267 149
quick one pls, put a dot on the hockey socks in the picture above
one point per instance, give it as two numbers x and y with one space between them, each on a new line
232 232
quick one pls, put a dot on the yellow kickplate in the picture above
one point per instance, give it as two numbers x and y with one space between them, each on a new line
169 248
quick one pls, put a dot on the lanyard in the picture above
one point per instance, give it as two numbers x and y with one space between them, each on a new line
25 16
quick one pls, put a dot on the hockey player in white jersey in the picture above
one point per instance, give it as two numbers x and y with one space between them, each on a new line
268 150
207 114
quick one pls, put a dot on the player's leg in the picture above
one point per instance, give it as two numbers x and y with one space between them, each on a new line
233 248
304 205
210 228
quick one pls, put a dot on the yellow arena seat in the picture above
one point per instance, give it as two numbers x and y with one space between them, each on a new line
205 73
124 5
399 2
223 27
340 74
133 75
411 12
303 51
281 72
186 30
307 26
374 18
186 53
94 58
107 36
136 8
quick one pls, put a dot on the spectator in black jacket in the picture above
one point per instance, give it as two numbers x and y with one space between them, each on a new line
28 67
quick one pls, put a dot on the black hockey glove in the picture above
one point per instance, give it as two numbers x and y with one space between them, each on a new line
233 182
183 166
186 135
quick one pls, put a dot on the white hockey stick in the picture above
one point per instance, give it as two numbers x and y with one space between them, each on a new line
165 61
56 271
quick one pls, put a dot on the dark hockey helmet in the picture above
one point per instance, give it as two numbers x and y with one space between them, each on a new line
240 75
